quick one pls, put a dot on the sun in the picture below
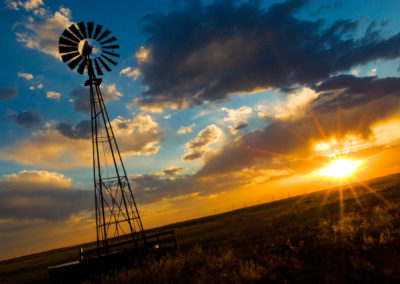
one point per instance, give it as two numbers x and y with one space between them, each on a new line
340 168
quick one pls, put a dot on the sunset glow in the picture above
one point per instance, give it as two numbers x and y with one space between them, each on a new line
340 168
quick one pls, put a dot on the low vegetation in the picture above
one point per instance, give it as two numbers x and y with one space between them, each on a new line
317 237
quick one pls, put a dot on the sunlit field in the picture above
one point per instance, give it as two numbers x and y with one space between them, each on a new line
350 233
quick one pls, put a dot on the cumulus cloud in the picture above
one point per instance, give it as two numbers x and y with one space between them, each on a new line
48 148
81 130
42 31
132 73
27 76
32 194
138 136
196 146
186 129
53 95
27 5
241 47
7 93
68 146
295 106
28 119
81 99
238 117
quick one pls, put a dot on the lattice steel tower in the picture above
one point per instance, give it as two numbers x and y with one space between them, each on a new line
90 49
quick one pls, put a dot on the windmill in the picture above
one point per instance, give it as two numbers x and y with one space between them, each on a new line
89 49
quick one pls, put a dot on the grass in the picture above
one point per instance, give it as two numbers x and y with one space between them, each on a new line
309 238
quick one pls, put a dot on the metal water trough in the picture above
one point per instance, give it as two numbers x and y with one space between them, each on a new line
125 254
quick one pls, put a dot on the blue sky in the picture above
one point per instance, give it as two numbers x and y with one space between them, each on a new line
198 83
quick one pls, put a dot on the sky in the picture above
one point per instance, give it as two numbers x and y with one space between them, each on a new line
216 105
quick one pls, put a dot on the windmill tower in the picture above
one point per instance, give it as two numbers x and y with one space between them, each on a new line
90 49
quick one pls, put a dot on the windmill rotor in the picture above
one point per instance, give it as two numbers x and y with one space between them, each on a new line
86 47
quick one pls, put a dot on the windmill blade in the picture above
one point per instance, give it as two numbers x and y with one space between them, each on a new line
65 49
104 64
110 53
75 31
82 29
98 69
97 31
90 67
75 62
106 33
81 67
109 40
64 41
111 46
69 56
90 26
67 34
109 59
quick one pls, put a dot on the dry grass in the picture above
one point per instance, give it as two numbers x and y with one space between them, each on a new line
300 239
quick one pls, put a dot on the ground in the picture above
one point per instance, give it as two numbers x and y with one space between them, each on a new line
316 237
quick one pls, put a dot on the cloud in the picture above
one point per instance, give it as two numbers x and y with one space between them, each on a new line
172 171
186 129
27 5
196 146
81 130
295 106
143 107
372 72
349 91
155 187
28 119
142 54
7 93
48 148
348 108
128 72
81 99
42 31
53 95
68 146
233 48
27 76
238 117
32 194
138 136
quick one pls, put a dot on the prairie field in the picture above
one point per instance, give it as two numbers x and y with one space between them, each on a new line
348 234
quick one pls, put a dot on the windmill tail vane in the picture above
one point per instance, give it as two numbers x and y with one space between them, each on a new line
88 47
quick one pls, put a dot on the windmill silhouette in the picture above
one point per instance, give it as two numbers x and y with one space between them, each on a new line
89 49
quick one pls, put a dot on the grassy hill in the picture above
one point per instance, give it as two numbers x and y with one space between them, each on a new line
332 235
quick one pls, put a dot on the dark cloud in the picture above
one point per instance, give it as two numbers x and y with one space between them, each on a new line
47 204
28 119
7 93
359 102
241 126
81 97
81 100
172 171
81 130
152 187
41 195
210 52
347 91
